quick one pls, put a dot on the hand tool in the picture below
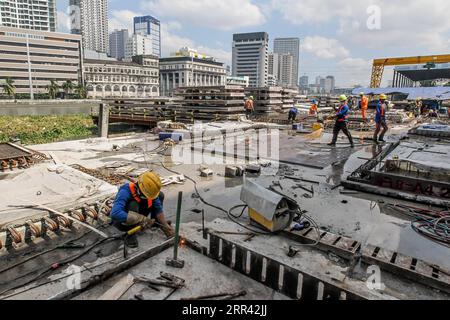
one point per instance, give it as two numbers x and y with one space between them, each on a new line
175 263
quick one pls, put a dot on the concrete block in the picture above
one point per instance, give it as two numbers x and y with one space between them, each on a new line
234 171
253 168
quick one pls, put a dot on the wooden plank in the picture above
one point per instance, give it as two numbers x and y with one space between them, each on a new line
119 289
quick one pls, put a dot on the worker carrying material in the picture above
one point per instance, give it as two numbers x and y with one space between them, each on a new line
314 110
293 112
341 122
249 107
364 105
380 120
140 204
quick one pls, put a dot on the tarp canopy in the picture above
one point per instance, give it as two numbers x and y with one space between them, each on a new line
434 93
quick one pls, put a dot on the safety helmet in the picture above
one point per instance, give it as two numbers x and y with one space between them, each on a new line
251 98
343 98
150 185
314 101
361 94
419 99
383 97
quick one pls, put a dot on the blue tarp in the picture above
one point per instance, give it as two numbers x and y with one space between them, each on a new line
433 93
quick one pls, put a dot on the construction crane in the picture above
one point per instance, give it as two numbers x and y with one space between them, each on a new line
379 64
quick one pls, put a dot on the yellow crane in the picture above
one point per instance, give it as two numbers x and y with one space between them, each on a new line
380 64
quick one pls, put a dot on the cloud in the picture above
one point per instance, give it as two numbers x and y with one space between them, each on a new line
421 25
63 22
325 48
171 42
122 19
217 14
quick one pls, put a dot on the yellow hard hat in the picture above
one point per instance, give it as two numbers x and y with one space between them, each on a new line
383 97
251 97
150 185
343 98
361 94
419 99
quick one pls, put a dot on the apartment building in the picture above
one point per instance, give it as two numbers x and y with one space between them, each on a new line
29 14
251 57
90 19
290 46
117 43
138 44
151 28
281 66
33 58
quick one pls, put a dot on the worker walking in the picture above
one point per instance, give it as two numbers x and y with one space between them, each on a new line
364 104
314 110
140 204
380 120
249 107
293 112
341 122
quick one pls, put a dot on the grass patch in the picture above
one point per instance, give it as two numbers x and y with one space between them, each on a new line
46 129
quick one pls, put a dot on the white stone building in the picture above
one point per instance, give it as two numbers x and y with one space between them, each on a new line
110 79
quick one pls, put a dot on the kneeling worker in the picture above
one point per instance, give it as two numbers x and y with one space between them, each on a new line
140 204
293 112
341 122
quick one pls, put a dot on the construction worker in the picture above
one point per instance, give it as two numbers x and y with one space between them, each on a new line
418 107
364 103
380 120
249 107
140 204
341 122
293 112
314 110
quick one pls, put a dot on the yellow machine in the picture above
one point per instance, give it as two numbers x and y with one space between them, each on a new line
380 64
270 210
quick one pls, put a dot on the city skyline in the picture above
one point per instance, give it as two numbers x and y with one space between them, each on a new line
333 38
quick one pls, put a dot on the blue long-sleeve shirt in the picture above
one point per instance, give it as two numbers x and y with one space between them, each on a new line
124 198
342 113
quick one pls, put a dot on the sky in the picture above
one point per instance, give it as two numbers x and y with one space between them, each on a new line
339 38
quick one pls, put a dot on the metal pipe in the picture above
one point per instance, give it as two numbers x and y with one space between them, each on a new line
177 227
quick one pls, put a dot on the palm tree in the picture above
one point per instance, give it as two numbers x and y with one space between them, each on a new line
9 89
67 86
81 91
52 89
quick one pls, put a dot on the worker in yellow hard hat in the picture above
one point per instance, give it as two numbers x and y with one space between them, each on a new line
341 121
380 120
140 204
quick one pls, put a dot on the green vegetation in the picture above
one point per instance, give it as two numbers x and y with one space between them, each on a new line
46 129
53 89
9 89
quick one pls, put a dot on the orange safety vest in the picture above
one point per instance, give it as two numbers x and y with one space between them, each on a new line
364 103
248 105
313 109
135 195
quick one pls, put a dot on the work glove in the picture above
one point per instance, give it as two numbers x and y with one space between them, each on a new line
168 231
136 219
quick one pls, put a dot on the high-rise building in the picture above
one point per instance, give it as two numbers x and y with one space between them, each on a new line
117 43
304 81
282 67
251 57
289 46
150 27
138 45
90 19
330 84
29 14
